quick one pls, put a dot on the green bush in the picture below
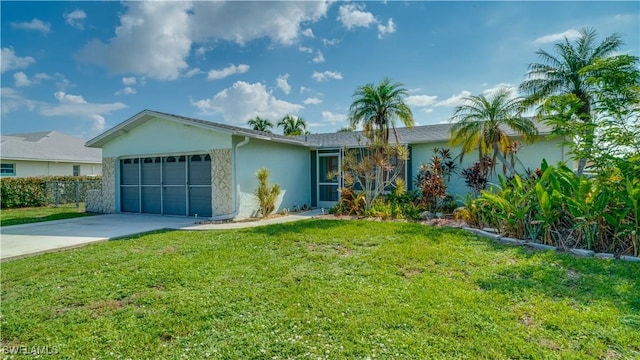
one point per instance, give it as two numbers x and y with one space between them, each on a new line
266 195
31 191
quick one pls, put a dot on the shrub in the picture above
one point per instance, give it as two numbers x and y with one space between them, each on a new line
266 195
32 191
432 179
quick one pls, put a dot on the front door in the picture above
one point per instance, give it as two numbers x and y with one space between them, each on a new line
329 176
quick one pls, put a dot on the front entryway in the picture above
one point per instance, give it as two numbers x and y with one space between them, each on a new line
328 176
170 185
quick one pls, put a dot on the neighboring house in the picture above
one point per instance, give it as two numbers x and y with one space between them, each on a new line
48 153
168 164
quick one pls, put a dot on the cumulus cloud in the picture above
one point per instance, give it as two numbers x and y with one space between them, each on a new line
312 100
513 90
10 61
21 79
324 76
128 81
161 46
283 84
570 34
383 30
454 100
420 100
34 24
332 42
75 18
43 76
77 106
228 71
333 118
305 49
308 33
319 58
242 22
244 101
352 15
126 91
192 72
13 101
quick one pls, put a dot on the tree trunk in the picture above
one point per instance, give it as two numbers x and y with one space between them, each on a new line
504 161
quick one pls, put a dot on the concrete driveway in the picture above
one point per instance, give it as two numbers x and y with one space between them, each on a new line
29 239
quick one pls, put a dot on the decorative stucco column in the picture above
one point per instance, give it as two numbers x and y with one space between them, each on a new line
108 197
221 181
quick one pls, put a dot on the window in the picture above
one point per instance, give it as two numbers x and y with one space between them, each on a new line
7 169
76 170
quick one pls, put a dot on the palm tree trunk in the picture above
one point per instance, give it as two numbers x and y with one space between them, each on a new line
504 161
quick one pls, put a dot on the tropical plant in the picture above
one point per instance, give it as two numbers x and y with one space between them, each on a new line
475 178
293 125
432 179
260 124
481 122
378 107
569 75
266 194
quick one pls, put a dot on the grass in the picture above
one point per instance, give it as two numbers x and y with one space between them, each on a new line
320 289
39 214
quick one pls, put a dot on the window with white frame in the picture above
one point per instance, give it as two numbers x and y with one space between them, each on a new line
76 170
7 169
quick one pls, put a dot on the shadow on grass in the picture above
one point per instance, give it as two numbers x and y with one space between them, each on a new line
562 275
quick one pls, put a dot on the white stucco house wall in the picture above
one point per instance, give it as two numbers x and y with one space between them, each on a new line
168 164
48 153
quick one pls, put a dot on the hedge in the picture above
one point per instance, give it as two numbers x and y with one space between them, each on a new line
31 191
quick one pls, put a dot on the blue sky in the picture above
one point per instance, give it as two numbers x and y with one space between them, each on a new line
83 67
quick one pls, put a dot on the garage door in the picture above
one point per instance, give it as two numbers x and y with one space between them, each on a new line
171 185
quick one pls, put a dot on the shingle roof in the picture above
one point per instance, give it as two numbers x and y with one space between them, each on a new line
47 146
414 135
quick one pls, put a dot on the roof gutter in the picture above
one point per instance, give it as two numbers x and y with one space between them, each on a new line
236 200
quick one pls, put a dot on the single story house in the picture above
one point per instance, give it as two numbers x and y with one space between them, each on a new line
162 163
48 153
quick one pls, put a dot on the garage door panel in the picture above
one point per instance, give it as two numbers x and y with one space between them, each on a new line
129 172
175 202
200 170
130 199
151 201
200 201
173 172
151 171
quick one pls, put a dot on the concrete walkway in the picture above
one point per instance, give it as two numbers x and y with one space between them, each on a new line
30 239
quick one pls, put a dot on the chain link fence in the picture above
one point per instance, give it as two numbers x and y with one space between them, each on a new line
69 192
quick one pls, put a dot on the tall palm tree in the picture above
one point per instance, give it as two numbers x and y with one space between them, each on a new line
564 74
293 125
260 124
481 122
378 108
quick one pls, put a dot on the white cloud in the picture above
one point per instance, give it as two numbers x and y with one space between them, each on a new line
283 84
427 110
570 34
305 49
21 79
9 60
491 91
128 81
243 101
13 101
126 91
324 76
77 106
242 22
43 76
312 100
75 18
351 15
34 24
319 58
308 33
332 42
333 118
228 71
420 100
192 72
161 46
454 100
383 30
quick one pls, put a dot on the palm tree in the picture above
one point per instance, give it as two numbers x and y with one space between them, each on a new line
378 108
481 121
293 125
260 124
564 74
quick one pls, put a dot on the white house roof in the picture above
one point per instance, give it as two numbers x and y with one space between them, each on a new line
47 146
414 135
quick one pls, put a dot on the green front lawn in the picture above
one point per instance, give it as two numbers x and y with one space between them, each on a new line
320 288
39 214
